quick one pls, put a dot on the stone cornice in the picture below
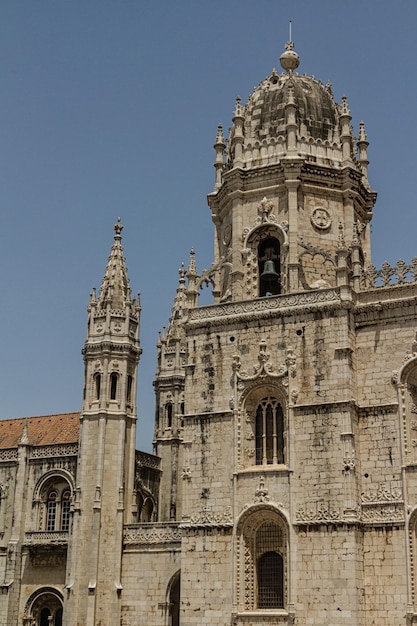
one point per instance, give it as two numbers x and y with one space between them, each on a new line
161 381
387 306
92 349
211 416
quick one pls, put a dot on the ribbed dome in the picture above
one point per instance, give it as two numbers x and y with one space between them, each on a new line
316 112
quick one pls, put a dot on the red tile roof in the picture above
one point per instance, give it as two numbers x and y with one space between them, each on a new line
42 431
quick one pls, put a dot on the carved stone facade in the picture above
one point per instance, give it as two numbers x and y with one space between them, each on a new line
283 484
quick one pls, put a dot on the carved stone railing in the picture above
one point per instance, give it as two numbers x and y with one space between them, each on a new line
401 274
147 460
46 538
8 454
151 533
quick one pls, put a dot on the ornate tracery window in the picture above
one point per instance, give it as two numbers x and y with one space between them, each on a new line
269 432
262 561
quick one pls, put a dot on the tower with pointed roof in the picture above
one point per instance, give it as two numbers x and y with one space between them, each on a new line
106 463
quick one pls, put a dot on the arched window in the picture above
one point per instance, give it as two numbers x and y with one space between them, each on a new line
168 413
65 510
114 377
262 561
269 266
54 506
269 432
97 386
147 510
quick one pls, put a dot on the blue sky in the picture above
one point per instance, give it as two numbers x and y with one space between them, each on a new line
111 108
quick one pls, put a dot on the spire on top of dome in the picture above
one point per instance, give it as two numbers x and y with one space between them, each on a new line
289 59
115 288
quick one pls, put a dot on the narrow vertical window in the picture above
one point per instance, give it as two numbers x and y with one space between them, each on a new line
65 511
129 390
97 385
51 511
168 409
113 385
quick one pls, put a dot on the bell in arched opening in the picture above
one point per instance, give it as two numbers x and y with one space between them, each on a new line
269 267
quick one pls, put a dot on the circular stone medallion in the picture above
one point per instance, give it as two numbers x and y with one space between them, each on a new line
320 218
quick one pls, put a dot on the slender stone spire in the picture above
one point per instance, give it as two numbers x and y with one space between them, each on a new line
346 131
363 144
179 304
115 288
219 147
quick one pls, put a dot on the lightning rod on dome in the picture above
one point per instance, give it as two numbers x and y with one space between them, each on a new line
289 59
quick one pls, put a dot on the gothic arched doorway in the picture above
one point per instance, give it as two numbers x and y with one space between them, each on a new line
44 608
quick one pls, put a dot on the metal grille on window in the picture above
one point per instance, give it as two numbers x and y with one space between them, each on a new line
270 567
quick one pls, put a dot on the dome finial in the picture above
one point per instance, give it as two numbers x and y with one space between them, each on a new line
289 59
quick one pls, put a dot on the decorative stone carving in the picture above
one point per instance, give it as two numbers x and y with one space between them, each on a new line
261 492
320 218
395 377
294 395
349 464
265 211
157 533
186 473
236 311
208 518
320 514
371 277
384 504
382 494
264 368
227 234
70 449
386 514
44 538
9 454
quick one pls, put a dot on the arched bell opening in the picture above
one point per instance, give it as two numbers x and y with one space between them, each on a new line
269 267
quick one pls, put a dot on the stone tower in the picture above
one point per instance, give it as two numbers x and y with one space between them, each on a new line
262 397
106 462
